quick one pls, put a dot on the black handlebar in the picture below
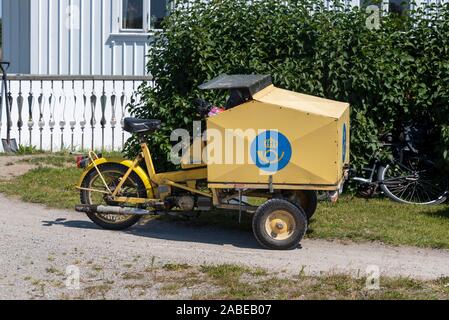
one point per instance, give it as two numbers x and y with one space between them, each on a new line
203 107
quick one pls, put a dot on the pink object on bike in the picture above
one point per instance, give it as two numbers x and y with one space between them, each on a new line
216 111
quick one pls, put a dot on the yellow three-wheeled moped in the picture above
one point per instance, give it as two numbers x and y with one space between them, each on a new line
297 145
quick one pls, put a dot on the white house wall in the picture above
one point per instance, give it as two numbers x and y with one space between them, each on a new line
71 37
16 33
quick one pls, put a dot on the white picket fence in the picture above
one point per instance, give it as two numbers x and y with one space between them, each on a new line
69 113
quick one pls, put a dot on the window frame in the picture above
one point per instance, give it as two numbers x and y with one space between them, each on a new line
404 6
145 14
146 20
151 17
385 5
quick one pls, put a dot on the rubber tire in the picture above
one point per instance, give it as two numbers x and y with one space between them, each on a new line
381 177
312 199
266 209
85 199
312 205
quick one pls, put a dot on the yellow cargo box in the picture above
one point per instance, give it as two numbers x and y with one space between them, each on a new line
279 139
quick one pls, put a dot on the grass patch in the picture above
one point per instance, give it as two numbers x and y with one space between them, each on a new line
228 278
176 267
351 219
238 283
99 291
258 272
97 268
59 161
54 187
28 150
234 282
224 273
170 289
133 276
53 270
382 220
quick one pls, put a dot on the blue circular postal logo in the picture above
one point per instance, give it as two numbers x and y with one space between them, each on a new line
271 151
345 142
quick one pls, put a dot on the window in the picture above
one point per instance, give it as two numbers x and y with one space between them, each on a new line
399 7
366 3
143 15
159 10
133 15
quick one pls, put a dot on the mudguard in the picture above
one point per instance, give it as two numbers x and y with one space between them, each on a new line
127 163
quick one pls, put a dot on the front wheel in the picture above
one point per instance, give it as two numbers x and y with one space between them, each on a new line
279 225
112 174
416 181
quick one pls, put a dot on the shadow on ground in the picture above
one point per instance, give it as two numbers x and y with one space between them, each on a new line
443 213
177 230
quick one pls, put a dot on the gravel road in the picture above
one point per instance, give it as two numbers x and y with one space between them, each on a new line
36 242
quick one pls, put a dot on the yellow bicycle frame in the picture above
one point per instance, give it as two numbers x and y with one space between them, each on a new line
183 179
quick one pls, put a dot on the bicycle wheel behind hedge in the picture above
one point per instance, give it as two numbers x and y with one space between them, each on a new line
415 181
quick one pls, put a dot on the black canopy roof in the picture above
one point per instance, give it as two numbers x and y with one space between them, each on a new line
253 82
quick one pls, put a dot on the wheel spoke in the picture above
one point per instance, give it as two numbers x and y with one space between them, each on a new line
112 179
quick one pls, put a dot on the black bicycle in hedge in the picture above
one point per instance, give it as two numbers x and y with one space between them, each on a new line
409 176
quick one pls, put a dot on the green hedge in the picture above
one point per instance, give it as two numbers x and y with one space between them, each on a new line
395 73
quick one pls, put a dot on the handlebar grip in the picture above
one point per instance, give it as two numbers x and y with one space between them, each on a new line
203 106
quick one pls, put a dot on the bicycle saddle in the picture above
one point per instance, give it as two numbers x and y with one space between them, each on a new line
133 125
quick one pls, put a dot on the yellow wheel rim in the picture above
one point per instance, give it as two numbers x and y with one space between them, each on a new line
280 225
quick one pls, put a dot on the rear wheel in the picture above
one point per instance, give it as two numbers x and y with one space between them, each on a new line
112 173
416 181
305 199
279 225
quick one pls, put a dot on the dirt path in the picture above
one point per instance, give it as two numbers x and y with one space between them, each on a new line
11 167
35 239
